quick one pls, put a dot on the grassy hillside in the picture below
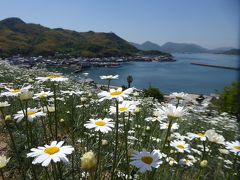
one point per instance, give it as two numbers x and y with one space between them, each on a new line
18 37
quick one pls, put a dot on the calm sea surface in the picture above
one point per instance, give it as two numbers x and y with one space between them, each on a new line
176 76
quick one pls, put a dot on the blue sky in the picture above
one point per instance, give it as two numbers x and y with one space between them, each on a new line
209 23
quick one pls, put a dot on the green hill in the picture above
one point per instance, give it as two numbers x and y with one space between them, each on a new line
18 37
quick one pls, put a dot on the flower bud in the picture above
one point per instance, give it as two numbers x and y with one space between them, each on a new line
171 163
83 99
137 110
30 80
8 118
203 163
223 151
51 109
104 142
25 96
88 161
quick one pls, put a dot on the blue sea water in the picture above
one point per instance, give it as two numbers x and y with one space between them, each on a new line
176 76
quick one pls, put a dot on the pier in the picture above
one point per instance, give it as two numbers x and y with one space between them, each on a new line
216 66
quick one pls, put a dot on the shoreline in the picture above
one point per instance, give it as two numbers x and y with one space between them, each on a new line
192 95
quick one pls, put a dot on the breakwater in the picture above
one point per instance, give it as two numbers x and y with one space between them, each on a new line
216 66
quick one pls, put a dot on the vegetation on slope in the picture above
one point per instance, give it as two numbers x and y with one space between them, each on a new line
18 37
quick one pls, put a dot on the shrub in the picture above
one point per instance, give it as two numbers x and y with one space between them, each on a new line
155 93
229 99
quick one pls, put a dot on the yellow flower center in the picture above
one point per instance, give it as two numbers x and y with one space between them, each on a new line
237 147
122 109
200 134
52 77
180 146
51 150
100 123
147 159
116 93
16 90
29 113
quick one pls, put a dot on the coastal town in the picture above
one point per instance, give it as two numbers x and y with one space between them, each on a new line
81 63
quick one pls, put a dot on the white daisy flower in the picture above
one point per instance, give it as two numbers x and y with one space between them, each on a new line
170 111
31 114
214 137
4 104
233 146
180 146
118 94
3 161
153 119
200 136
15 92
165 126
186 162
145 160
42 94
53 78
109 77
178 96
171 161
125 106
54 152
178 136
103 125
72 92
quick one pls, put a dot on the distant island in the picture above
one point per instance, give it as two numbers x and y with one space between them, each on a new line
171 47
27 39
232 52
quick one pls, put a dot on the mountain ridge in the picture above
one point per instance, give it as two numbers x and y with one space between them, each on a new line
172 47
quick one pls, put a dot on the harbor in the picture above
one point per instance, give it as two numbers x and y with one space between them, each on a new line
81 63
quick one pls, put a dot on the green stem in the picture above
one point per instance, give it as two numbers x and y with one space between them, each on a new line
44 131
34 172
204 150
55 112
2 174
168 134
46 173
27 125
73 135
98 171
199 174
126 142
49 118
55 173
13 142
116 143
60 171
235 160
